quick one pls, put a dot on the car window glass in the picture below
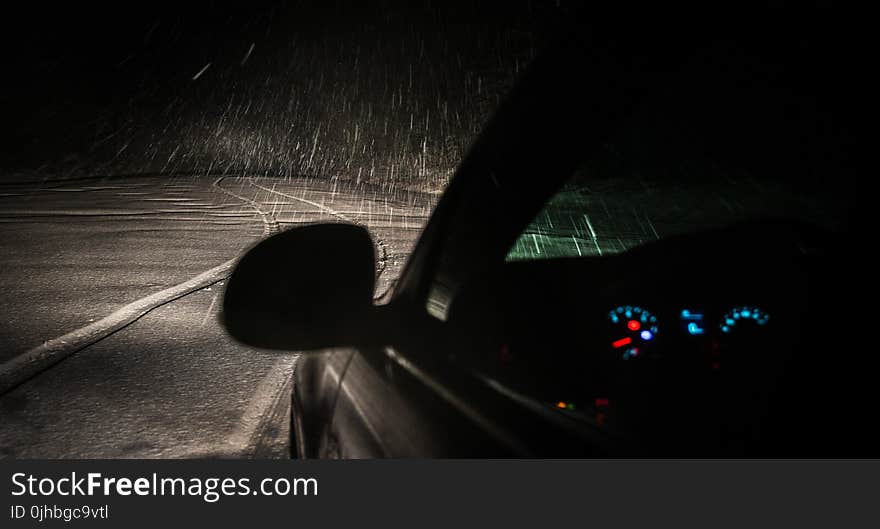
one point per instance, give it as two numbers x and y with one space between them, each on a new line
602 218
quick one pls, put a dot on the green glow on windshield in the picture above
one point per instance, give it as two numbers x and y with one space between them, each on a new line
574 224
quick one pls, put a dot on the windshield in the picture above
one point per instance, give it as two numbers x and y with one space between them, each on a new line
595 218
755 137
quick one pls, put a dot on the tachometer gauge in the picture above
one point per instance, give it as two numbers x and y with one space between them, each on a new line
634 328
738 316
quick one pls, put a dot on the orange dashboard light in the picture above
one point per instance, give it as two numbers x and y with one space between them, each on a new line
561 405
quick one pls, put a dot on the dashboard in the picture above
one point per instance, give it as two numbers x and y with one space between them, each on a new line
693 341
635 331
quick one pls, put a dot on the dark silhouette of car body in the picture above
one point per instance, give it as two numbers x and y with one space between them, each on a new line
478 355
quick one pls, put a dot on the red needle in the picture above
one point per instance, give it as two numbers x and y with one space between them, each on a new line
621 342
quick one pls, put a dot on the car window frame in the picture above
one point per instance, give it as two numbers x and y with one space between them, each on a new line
591 75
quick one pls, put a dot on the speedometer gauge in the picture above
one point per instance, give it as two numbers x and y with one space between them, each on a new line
633 329
738 315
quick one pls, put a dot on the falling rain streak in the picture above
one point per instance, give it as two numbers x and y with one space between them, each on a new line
359 94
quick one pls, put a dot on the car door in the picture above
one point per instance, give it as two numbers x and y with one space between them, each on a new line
374 418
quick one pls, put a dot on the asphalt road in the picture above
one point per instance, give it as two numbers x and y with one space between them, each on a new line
108 341
169 383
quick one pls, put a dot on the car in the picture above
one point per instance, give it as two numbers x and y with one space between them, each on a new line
720 325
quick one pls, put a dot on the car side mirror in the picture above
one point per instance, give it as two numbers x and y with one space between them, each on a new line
305 288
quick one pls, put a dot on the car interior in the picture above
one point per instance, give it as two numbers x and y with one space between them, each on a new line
687 345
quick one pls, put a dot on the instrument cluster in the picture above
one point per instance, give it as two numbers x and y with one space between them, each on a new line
635 331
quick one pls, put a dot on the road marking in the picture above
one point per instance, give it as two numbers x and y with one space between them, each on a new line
33 361
270 225
25 366
260 406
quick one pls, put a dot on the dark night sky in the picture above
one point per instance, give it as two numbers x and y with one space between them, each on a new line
395 89
394 92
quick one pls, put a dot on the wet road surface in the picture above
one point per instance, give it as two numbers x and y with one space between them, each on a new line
171 383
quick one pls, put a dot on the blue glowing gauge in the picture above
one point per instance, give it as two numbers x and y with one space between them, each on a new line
738 315
634 328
